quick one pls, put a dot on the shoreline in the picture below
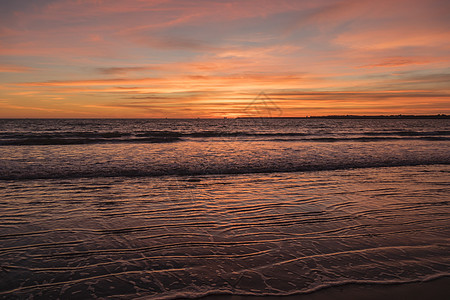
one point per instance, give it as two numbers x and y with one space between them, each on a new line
436 289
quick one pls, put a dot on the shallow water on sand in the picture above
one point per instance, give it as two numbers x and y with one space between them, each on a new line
261 234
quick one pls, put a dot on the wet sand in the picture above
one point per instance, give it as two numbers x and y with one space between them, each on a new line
437 289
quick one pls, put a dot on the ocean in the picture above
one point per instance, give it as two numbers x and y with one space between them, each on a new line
167 209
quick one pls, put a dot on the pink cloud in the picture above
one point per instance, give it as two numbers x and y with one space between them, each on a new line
392 38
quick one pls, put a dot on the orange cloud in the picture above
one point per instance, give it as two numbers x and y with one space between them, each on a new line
225 81
14 69
126 70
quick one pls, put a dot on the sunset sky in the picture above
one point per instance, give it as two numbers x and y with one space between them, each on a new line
211 58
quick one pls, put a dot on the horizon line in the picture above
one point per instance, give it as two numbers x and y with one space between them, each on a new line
396 116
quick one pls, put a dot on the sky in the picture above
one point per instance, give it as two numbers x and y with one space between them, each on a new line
211 58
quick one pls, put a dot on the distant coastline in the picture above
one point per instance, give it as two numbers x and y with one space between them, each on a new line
439 116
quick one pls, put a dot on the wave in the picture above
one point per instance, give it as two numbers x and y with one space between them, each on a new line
410 133
167 136
193 170
80 141
363 139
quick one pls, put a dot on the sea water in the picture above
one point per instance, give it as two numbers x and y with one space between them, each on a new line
186 208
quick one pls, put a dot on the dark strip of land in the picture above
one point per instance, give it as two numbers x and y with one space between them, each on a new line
440 116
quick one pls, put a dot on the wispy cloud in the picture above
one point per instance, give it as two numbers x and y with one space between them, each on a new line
15 69
398 62
125 70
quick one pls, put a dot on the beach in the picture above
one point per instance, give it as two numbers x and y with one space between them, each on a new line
435 289
224 209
